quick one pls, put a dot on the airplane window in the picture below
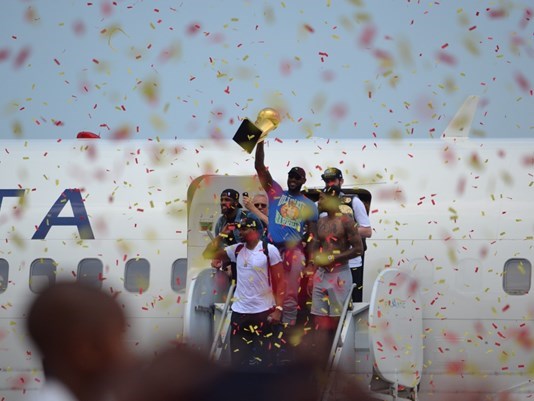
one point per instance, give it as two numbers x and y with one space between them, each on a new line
42 274
4 275
137 275
90 272
179 274
517 276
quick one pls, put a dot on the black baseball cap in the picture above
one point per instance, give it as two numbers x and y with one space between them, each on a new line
231 193
332 173
248 222
299 171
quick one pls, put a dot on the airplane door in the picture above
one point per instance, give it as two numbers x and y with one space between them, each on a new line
207 286
396 328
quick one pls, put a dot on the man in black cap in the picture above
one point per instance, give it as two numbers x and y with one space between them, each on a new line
258 297
336 243
291 214
226 226
334 176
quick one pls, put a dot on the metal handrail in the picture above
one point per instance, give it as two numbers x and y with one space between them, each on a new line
217 337
331 357
330 360
526 383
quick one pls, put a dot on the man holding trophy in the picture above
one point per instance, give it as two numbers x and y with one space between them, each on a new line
291 214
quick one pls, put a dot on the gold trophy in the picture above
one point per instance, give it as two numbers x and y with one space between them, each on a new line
249 134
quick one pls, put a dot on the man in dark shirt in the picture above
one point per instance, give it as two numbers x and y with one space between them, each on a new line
231 214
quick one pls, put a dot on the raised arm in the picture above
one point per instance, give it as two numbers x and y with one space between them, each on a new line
247 202
264 175
215 250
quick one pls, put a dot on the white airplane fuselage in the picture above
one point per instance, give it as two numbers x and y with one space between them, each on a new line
450 212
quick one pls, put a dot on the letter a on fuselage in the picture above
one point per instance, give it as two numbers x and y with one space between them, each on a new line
79 219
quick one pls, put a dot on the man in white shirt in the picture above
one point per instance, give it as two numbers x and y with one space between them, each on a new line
259 295
334 177
79 331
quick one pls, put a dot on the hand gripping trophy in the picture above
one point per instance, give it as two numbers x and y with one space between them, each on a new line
249 134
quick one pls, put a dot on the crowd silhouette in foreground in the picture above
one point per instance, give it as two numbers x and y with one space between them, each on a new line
80 334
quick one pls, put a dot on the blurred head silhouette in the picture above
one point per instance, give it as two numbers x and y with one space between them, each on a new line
79 331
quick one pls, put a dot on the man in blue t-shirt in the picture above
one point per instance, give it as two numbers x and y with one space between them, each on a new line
291 214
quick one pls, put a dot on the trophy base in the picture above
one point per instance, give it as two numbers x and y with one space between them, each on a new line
247 135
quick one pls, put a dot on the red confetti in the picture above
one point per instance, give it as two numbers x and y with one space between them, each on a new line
87 135
79 28
526 18
106 9
367 36
193 29
339 111
4 54
500 13
285 68
455 367
446 58
22 56
522 82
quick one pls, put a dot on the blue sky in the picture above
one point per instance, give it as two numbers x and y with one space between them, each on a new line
333 68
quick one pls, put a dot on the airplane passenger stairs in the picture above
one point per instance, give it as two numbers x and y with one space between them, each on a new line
220 347
206 323
378 345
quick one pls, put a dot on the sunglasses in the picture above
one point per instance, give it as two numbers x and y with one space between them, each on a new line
295 176
258 205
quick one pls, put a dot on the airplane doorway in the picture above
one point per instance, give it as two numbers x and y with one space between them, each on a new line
207 286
